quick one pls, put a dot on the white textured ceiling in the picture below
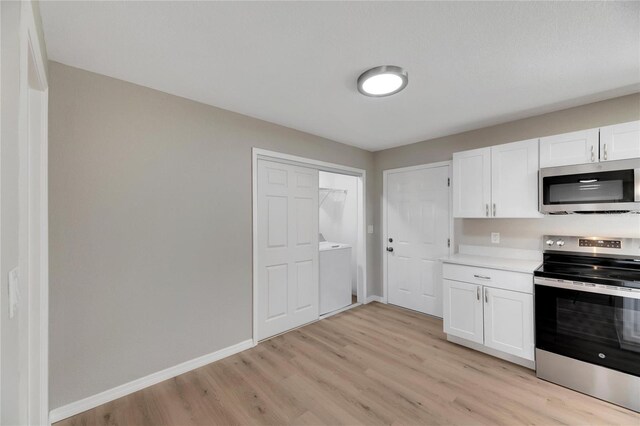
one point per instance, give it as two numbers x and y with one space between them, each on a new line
296 63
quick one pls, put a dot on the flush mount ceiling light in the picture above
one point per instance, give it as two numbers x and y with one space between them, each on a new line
382 81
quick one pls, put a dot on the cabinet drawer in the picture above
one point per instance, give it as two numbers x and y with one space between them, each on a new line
516 281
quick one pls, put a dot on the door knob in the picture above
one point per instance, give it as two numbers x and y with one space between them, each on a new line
390 240
389 249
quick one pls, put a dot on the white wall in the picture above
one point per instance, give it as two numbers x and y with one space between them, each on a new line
339 215
150 227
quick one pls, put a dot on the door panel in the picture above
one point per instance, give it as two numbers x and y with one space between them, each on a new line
620 141
569 148
508 317
472 183
277 277
418 222
463 310
288 247
514 179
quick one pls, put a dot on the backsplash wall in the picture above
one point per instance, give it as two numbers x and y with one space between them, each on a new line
527 233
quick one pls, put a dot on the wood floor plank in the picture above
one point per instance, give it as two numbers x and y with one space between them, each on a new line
372 365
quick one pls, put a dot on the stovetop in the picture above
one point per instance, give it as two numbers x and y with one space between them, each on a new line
610 261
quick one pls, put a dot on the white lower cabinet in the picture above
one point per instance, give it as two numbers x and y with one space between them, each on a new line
492 314
462 311
508 322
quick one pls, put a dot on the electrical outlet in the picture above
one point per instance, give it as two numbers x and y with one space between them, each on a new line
370 229
14 291
495 238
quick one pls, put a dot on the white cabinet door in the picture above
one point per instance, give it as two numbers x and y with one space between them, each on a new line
418 220
287 247
514 179
463 310
620 141
508 322
569 148
472 183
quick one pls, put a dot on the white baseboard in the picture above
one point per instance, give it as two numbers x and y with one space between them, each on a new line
374 298
93 401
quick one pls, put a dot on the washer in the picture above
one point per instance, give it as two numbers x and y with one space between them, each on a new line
335 276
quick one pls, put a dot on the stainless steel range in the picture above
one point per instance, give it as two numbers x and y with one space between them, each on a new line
587 316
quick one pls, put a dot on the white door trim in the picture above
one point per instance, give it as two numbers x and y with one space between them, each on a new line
33 81
322 166
385 173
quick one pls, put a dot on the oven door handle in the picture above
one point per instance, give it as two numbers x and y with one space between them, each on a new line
631 293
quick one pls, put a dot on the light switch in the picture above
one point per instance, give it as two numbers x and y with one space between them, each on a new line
370 229
495 237
14 291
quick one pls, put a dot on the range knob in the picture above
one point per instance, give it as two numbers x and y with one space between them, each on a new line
550 242
560 243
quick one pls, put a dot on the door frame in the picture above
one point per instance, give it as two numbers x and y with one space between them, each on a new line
361 174
34 90
385 174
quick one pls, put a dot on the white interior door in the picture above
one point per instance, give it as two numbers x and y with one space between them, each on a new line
287 247
418 233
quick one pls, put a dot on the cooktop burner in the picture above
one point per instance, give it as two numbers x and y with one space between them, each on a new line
607 261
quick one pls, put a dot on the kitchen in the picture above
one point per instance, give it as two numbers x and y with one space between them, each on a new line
320 213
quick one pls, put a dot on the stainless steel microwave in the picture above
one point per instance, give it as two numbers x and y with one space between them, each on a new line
605 187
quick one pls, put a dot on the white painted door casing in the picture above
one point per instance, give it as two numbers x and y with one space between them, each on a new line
620 141
463 310
514 180
579 147
418 223
508 322
288 288
472 183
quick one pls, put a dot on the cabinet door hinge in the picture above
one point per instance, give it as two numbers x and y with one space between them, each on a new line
448 181
448 242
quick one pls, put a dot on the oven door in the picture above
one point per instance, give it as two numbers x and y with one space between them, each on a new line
589 188
599 325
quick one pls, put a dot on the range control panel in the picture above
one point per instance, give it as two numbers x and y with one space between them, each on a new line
613 244
593 245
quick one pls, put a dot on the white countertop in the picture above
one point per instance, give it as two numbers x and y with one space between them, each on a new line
503 263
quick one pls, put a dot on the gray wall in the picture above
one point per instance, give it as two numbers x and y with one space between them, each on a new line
12 335
150 227
518 233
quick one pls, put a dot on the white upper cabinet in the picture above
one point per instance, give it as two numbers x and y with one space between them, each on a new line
472 183
616 142
620 141
569 148
514 179
497 181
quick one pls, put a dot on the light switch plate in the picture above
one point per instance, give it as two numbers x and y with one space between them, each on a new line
370 229
14 291
495 238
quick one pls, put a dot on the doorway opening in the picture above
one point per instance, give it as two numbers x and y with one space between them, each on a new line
338 241
297 203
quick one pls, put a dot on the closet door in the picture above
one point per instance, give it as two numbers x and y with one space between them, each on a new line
287 247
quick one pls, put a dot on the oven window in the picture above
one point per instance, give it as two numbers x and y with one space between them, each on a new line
601 187
595 328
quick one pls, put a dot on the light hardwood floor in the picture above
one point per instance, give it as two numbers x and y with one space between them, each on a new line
374 364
